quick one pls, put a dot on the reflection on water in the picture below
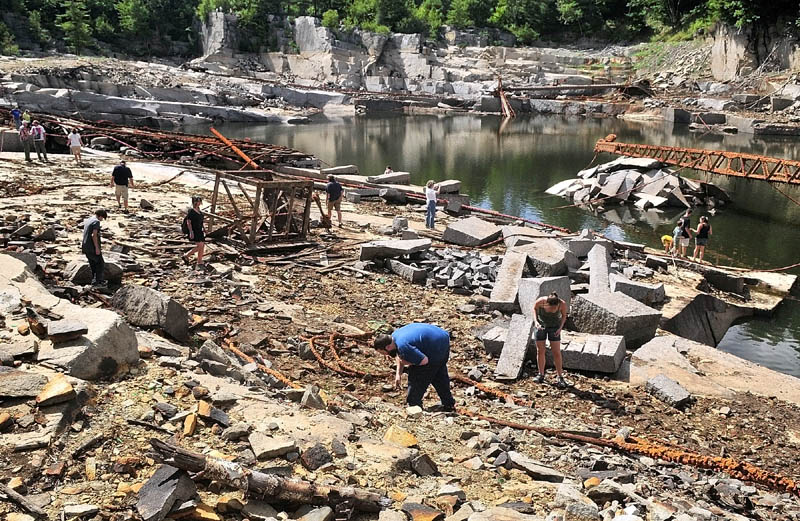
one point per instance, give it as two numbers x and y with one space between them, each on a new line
509 171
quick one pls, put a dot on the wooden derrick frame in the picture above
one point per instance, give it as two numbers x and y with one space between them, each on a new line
276 205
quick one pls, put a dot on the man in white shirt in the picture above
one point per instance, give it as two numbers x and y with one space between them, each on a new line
39 136
75 144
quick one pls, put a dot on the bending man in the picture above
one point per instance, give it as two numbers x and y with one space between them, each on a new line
424 349
549 316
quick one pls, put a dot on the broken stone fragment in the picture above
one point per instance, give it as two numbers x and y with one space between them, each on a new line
79 273
147 307
400 436
420 512
21 384
471 231
144 204
162 491
57 390
312 398
668 390
265 447
315 456
423 465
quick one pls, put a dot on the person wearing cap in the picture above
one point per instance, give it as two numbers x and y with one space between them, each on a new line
121 179
194 231
39 138
91 245
17 115
423 349
26 138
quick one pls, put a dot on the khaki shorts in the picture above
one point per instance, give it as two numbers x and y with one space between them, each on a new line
75 149
684 242
121 191
335 204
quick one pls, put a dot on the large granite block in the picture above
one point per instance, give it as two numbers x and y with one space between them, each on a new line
615 314
392 248
547 257
521 235
647 294
598 353
471 231
506 285
515 349
530 289
599 270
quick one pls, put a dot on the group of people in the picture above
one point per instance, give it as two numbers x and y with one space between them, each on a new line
33 135
423 350
678 242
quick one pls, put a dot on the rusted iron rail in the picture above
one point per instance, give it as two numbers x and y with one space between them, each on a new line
735 164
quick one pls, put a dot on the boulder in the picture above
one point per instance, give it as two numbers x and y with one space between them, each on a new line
392 196
531 289
147 307
392 248
78 272
471 231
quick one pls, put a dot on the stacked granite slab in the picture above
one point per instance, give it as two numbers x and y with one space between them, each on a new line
531 289
471 231
506 285
602 311
547 257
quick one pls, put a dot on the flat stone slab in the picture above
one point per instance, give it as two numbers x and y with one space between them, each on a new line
668 390
647 294
59 331
599 270
449 186
598 354
615 314
521 235
531 289
547 257
395 178
265 447
57 390
471 231
515 349
506 285
21 384
535 470
392 248
410 273
167 487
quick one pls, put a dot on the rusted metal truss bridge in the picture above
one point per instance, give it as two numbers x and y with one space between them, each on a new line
735 164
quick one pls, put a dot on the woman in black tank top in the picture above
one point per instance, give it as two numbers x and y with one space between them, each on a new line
702 233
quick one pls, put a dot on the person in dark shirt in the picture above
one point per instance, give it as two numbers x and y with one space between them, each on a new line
121 179
685 224
90 245
334 191
17 115
702 233
195 232
424 349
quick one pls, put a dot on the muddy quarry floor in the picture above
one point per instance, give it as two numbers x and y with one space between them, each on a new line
81 447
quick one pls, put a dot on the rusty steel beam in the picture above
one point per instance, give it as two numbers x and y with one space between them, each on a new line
735 164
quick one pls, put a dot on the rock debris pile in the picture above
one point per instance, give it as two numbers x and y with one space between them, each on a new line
644 182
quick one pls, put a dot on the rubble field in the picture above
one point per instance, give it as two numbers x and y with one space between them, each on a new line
81 447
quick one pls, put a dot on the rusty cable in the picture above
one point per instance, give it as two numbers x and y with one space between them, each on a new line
250 360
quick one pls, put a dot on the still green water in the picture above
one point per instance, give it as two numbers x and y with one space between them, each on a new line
508 167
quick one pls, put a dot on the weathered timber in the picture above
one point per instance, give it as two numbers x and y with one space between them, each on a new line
253 481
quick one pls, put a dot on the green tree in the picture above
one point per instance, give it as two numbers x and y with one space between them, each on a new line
75 24
431 13
7 45
392 13
135 17
330 19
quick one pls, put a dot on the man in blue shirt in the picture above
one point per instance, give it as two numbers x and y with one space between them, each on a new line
334 191
17 115
424 349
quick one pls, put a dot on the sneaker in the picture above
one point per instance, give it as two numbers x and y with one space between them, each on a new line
539 379
562 384
99 284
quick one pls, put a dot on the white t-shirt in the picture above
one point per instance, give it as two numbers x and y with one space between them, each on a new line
74 140
430 194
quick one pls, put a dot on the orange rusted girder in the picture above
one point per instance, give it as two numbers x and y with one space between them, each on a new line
736 164
235 148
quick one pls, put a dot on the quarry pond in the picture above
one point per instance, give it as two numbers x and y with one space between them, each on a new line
508 167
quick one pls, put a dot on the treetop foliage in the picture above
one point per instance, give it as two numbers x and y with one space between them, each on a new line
145 25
